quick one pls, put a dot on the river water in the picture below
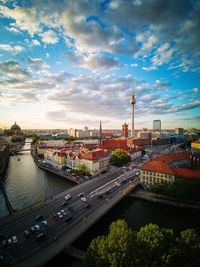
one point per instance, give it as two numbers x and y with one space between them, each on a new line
27 185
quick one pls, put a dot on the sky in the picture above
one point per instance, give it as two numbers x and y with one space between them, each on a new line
71 63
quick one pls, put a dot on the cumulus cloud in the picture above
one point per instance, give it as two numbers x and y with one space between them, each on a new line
149 68
93 61
14 49
195 90
13 70
49 37
37 63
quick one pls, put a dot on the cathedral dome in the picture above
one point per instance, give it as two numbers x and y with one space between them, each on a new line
15 127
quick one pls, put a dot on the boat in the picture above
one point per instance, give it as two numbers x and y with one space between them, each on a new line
18 159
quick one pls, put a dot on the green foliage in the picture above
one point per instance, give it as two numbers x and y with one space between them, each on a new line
119 158
152 246
182 189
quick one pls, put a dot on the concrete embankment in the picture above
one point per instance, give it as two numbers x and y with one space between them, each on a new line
8 204
145 195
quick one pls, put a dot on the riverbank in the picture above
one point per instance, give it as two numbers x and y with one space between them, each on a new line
153 197
51 169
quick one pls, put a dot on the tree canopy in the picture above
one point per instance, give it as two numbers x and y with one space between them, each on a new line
152 246
119 158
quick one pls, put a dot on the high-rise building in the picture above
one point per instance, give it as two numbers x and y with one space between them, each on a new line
132 102
125 130
179 131
157 125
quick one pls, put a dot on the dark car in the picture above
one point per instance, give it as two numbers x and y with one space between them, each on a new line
4 243
64 203
27 233
39 217
41 236
70 208
32 229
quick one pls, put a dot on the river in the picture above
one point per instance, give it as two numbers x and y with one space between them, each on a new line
26 184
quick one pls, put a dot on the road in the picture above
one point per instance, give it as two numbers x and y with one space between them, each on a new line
28 247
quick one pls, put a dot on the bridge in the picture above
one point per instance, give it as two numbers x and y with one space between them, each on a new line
25 149
102 194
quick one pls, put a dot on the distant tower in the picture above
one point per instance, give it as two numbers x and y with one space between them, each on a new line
157 125
125 130
132 101
100 133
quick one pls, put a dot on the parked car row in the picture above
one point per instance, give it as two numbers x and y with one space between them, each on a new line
9 241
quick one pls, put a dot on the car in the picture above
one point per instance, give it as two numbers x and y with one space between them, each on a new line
64 203
63 212
32 229
84 199
10 241
39 217
100 196
37 227
26 233
70 208
81 194
68 197
45 223
14 239
4 243
60 215
41 236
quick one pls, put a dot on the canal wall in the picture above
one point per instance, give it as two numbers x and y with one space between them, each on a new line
153 197
4 157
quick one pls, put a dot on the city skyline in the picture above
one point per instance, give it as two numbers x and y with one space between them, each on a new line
67 64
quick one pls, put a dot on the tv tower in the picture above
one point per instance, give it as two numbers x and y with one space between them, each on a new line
132 101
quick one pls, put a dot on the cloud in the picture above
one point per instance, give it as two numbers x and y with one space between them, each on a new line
37 63
15 49
13 70
36 42
93 61
49 37
195 90
149 68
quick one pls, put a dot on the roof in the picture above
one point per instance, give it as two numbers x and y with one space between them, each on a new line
96 154
161 164
187 173
157 166
114 143
169 158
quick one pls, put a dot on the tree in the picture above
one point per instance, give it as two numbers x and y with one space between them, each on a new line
152 246
119 158
113 250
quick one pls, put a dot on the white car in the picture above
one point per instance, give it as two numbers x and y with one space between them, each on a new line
10 241
84 199
45 223
14 239
37 227
60 215
68 197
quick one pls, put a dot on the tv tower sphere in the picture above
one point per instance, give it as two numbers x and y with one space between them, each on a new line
132 102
